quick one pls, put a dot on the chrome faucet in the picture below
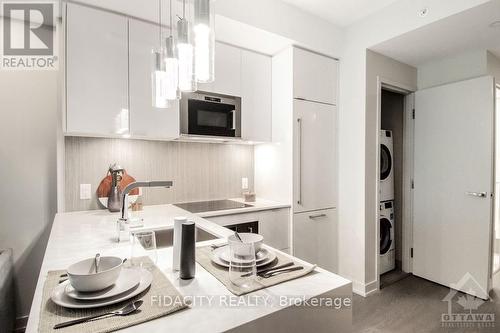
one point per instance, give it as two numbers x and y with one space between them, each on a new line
131 186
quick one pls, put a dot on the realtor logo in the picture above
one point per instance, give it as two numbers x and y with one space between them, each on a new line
28 36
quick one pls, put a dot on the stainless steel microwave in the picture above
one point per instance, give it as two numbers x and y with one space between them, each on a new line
210 114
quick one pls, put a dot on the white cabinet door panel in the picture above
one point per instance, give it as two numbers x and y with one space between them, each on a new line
256 98
315 156
315 238
227 71
147 121
97 72
315 77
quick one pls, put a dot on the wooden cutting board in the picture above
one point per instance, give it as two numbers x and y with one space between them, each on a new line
106 183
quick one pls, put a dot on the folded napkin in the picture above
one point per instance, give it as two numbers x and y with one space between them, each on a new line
52 314
203 257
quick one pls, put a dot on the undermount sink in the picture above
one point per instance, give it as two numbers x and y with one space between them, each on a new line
165 237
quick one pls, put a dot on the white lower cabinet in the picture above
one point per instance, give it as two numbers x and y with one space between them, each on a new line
315 238
273 225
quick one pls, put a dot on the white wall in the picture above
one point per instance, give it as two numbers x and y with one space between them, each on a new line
355 201
28 172
456 68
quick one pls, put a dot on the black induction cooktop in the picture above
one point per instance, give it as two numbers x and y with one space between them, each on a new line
210 206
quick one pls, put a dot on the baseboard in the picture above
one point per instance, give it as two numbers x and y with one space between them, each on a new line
20 325
364 289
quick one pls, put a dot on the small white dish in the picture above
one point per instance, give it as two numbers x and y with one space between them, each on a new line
83 277
60 298
128 279
216 259
248 238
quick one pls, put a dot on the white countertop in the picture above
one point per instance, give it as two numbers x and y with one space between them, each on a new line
80 235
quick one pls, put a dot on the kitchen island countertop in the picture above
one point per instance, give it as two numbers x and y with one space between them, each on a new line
79 235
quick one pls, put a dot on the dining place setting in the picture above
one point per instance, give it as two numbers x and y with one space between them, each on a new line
244 264
103 294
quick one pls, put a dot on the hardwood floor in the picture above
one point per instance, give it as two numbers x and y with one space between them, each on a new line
415 305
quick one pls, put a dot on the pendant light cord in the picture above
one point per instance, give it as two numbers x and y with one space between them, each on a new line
171 19
184 9
159 21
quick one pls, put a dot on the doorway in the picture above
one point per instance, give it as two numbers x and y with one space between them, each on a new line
393 104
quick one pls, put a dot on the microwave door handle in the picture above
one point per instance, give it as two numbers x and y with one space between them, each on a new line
234 120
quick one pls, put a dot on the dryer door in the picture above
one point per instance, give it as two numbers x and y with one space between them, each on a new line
385 162
385 235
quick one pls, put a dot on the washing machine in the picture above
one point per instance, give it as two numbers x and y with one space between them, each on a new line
387 260
386 166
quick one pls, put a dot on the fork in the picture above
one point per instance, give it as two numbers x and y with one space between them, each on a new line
281 271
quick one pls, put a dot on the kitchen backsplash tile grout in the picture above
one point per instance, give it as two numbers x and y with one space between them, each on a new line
200 171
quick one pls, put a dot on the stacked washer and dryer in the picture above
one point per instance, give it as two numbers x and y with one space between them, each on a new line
387 260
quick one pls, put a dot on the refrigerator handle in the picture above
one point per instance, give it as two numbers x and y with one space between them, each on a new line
299 146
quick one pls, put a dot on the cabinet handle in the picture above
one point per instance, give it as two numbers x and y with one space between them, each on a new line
299 123
312 217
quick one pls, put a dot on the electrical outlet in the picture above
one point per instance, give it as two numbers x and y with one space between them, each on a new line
85 191
244 183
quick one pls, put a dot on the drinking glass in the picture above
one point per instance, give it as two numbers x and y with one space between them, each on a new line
143 244
242 266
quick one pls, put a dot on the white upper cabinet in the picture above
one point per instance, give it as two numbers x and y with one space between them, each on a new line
314 155
227 71
96 72
256 97
147 121
314 77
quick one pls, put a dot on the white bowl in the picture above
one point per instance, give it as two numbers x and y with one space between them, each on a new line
83 277
248 238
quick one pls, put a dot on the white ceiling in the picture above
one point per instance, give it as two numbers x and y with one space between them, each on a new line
341 12
467 31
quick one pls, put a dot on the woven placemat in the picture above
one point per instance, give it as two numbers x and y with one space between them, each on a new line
152 308
203 255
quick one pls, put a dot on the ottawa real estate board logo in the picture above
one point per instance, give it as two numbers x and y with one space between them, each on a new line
28 35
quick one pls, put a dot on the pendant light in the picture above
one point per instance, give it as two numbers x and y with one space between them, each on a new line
171 64
159 75
204 40
185 54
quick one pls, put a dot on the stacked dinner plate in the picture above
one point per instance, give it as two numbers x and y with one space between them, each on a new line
263 257
130 282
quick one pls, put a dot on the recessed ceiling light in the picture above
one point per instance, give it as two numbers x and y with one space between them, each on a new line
495 24
423 12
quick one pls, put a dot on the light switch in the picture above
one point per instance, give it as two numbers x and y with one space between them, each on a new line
244 183
85 191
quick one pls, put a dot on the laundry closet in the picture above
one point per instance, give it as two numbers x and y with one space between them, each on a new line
391 186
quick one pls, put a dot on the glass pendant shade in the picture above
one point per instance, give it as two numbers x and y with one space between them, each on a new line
185 56
204 40
172 71
159 80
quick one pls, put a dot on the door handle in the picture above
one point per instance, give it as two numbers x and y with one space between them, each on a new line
299 123
234 120
477 194
312 217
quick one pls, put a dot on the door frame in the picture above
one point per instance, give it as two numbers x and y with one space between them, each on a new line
408 130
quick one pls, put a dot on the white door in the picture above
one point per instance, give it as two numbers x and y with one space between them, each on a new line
454 151
315 156
97 72
147 121
314 238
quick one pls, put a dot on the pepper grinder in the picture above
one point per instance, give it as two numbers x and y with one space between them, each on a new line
188 265
114 202
178 221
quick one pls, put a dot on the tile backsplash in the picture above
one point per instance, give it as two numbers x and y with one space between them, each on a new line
200 171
